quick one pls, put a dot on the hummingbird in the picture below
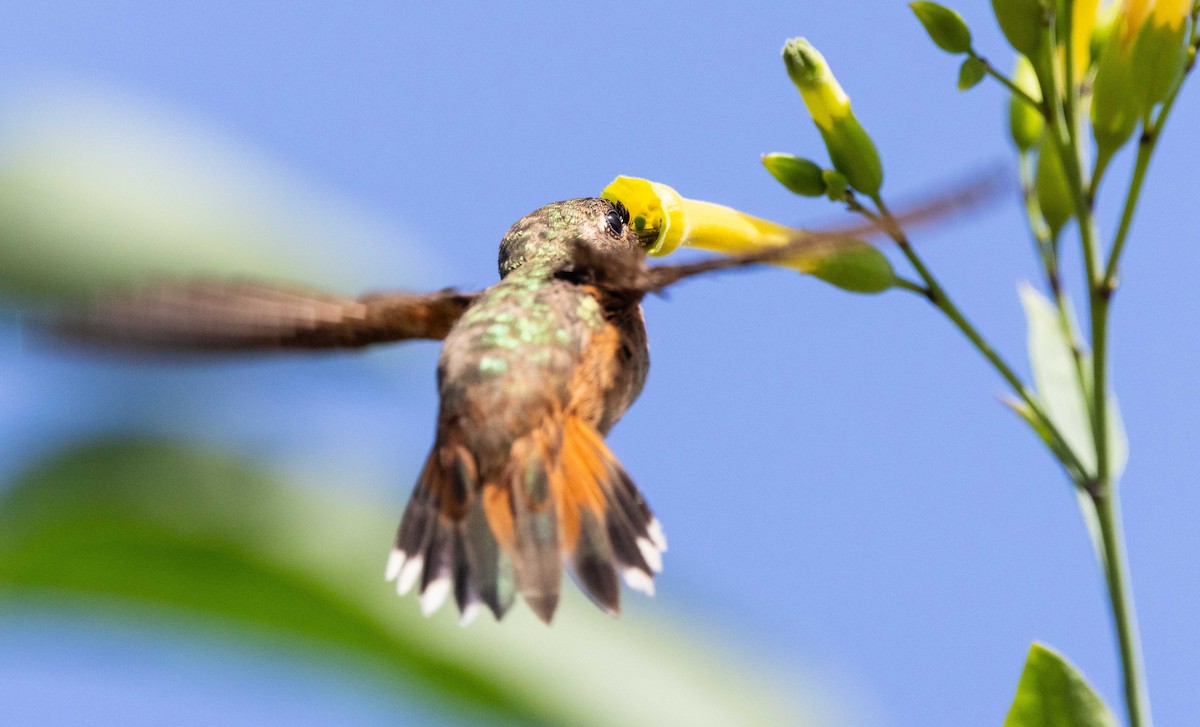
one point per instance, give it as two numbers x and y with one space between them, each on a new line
534 371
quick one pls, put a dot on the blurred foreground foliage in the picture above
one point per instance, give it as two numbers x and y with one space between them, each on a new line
197 535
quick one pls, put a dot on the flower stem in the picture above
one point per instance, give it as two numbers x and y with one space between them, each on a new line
1120 594
1012 87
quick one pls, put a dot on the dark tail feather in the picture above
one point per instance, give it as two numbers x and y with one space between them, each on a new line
592 564
445 541
490 568
608 529
535 526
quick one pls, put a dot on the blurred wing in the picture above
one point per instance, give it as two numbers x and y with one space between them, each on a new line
254 316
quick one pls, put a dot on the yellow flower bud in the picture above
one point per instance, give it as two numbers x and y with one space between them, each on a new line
850 148
654 207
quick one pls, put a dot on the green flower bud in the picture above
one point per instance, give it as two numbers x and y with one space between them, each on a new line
856 267
945 27
801 176
970 73
850 148
1025 123
1117 104
1107 18
1023 22
1159 53
836 184
1053 191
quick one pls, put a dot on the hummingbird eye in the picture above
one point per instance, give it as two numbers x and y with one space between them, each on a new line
616 221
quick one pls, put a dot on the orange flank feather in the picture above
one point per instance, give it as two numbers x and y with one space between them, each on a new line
581 469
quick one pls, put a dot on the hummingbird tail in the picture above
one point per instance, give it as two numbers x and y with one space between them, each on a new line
573 504
605 526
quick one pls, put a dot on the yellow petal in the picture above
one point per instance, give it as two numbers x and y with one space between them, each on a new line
1083 20
679 221
1134 14
1171 13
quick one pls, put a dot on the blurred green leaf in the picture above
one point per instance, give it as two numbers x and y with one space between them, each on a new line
196 535
970 73
1052 693
1055 377
98 190
945 27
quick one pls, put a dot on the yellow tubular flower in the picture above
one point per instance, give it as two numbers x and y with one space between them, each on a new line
667 221
689 222
1083 21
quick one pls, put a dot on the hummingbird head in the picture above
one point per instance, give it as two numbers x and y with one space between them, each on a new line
557 237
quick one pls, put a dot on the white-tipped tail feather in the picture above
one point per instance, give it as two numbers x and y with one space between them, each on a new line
409 574
651 554
639 580
469 612
655 531
434 595
394 564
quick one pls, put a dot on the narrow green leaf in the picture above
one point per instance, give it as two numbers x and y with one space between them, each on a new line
166 530
1052 693
1022 410
970 73
1055 375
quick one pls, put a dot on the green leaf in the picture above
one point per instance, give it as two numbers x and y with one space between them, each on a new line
1052 359
1052 693
172 533
945 27
970 73
97 191
1055 375
1021 21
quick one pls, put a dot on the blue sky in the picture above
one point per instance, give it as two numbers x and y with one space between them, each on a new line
841 489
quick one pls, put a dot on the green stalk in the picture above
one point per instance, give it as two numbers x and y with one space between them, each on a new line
1004 81
1066 133
1120 594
